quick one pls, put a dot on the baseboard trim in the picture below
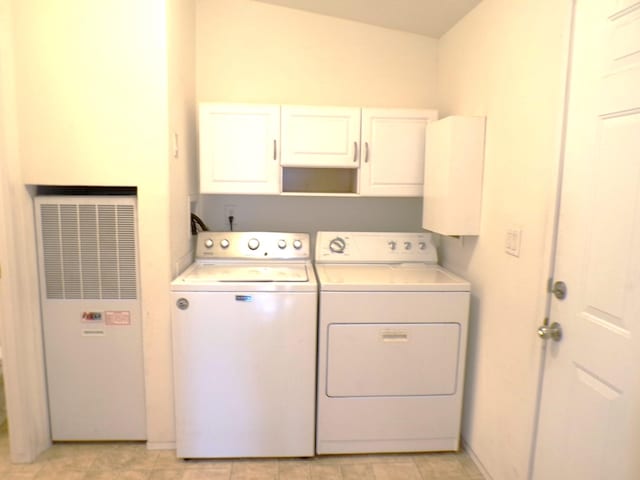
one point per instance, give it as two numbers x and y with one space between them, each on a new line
161 445
467 448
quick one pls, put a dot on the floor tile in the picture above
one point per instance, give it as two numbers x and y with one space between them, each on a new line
132 461
325 472
294 470
167 474
357 472
17 476
117 475
254 470
445 466
396 471
207 474
125 457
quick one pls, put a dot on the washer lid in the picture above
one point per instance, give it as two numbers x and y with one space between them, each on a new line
204 273
376 277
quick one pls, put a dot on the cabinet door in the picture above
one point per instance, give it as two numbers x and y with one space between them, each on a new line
392 156
239 148
453 176
320 136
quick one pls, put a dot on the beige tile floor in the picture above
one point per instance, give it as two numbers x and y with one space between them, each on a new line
132 461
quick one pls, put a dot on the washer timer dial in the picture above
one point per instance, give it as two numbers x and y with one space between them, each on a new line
337 245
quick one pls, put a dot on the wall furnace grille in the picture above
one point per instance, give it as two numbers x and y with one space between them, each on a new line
89 250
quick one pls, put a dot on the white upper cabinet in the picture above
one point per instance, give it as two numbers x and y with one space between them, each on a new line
392 151
326 137
453 175
239 148
292 149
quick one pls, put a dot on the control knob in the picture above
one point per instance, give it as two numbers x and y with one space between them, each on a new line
253 244
392 245
297 244
282 244
208 243
224 243
422 245
407 245
337 245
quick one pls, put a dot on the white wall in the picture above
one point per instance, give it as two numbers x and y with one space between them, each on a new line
311 214
95 106
91 86
258 53
182 122
506 60
182 187
19 313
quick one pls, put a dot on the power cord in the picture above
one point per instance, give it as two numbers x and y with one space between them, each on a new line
197 224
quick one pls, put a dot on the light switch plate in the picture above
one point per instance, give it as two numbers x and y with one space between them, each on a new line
513 240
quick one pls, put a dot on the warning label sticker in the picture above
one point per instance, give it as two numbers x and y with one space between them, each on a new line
117 318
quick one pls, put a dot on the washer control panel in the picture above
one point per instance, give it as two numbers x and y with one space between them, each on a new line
375 247
254 245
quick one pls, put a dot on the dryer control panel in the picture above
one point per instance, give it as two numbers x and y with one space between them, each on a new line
375 247
252 245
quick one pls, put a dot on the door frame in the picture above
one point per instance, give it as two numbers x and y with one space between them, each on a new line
20 327
554 223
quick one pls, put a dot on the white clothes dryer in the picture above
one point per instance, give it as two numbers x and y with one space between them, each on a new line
244 322
391 344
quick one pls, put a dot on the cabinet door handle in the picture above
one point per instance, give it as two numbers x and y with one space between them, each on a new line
366 152
275 150
355 151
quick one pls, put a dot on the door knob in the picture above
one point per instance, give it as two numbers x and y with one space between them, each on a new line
553 331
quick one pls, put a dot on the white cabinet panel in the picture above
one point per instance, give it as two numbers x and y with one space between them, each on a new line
239 148
392 151
453 176
320 136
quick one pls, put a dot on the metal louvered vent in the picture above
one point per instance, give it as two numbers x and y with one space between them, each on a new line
89 251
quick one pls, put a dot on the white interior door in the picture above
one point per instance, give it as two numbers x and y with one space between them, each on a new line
590 402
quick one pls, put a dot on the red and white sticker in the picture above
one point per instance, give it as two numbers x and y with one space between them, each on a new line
117 318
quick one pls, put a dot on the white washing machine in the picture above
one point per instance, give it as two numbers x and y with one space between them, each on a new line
244 321
391 344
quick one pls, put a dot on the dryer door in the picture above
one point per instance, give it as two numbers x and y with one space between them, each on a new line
369 360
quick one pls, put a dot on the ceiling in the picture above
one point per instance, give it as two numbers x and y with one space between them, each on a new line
424 17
